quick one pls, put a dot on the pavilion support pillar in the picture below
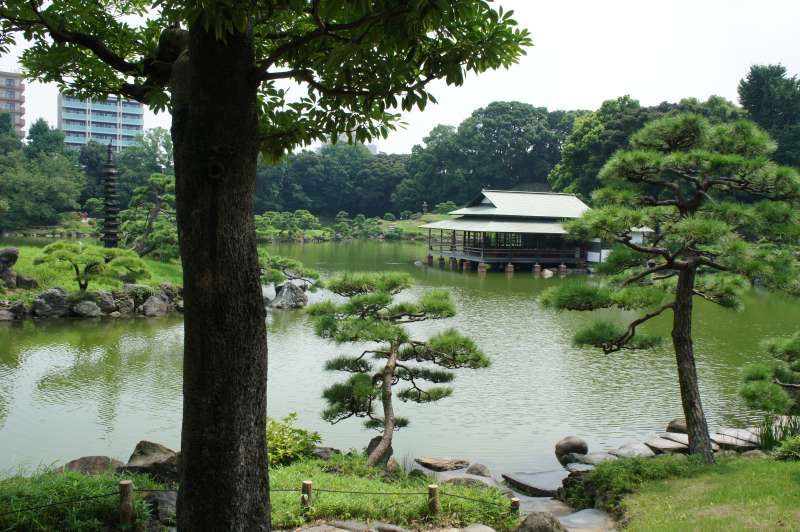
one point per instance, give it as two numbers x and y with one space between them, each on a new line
430 260
441 262
466 266
537 269
562 269
483 267
453 264
509 268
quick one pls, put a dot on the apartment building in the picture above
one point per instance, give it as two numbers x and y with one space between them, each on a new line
115 120
12 99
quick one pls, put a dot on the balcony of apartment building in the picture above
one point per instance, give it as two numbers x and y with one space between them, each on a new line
12 95
74 114
131 119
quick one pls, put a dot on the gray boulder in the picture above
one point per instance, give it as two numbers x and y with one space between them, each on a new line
570 444
677 425
590 459
163 506
92 465
588 519
52 303
540 522
87 309
373 443
155 306
393 466
8 258
170 292
324 453
6 315
125 305
105 301
633 450
477 527
479 470
289 295
19 310
154 459
442 464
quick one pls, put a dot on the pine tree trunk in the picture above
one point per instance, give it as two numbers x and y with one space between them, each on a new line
699 441
388 409
224 475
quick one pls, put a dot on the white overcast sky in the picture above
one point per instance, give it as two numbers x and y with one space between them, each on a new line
587 51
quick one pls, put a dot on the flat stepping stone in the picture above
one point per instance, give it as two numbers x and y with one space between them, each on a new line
544 484
633 450
589 519
529 505
733 444
597 458
665 446
442 464
740 434
577 467
684 439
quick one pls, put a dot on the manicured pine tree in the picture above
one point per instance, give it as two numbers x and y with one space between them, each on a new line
371 314
706 192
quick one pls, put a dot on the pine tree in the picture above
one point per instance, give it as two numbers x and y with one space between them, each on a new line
721 220
371 314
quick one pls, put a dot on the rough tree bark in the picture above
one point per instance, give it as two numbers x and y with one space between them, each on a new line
224 475
388 409
699 441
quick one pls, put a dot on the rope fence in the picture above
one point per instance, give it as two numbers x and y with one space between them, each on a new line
307 490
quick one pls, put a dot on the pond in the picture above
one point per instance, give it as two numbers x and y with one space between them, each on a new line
71 388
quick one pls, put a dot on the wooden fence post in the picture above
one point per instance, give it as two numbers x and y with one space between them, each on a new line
433 499
125 502
515 505
305 498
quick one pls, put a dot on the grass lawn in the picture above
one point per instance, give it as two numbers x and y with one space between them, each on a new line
736 494
49 277
405 502
346 473
409 227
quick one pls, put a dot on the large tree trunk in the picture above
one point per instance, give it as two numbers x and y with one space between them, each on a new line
224 475
388 409
699 441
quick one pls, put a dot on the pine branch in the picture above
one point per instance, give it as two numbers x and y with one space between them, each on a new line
630 332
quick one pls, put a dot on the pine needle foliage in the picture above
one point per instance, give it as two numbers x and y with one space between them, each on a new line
719 216
775 388
370 314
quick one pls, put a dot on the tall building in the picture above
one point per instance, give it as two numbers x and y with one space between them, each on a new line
12 99
114 120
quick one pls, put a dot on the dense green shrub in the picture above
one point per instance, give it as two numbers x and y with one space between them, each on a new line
576 295
287 443
600 333
606 484
445 207
774 387
50 486
789 449
389 217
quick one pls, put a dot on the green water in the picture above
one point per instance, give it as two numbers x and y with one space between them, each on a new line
75 387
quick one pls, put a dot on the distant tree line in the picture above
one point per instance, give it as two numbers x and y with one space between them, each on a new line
503 145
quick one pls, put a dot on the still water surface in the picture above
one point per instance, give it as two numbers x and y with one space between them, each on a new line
73 388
